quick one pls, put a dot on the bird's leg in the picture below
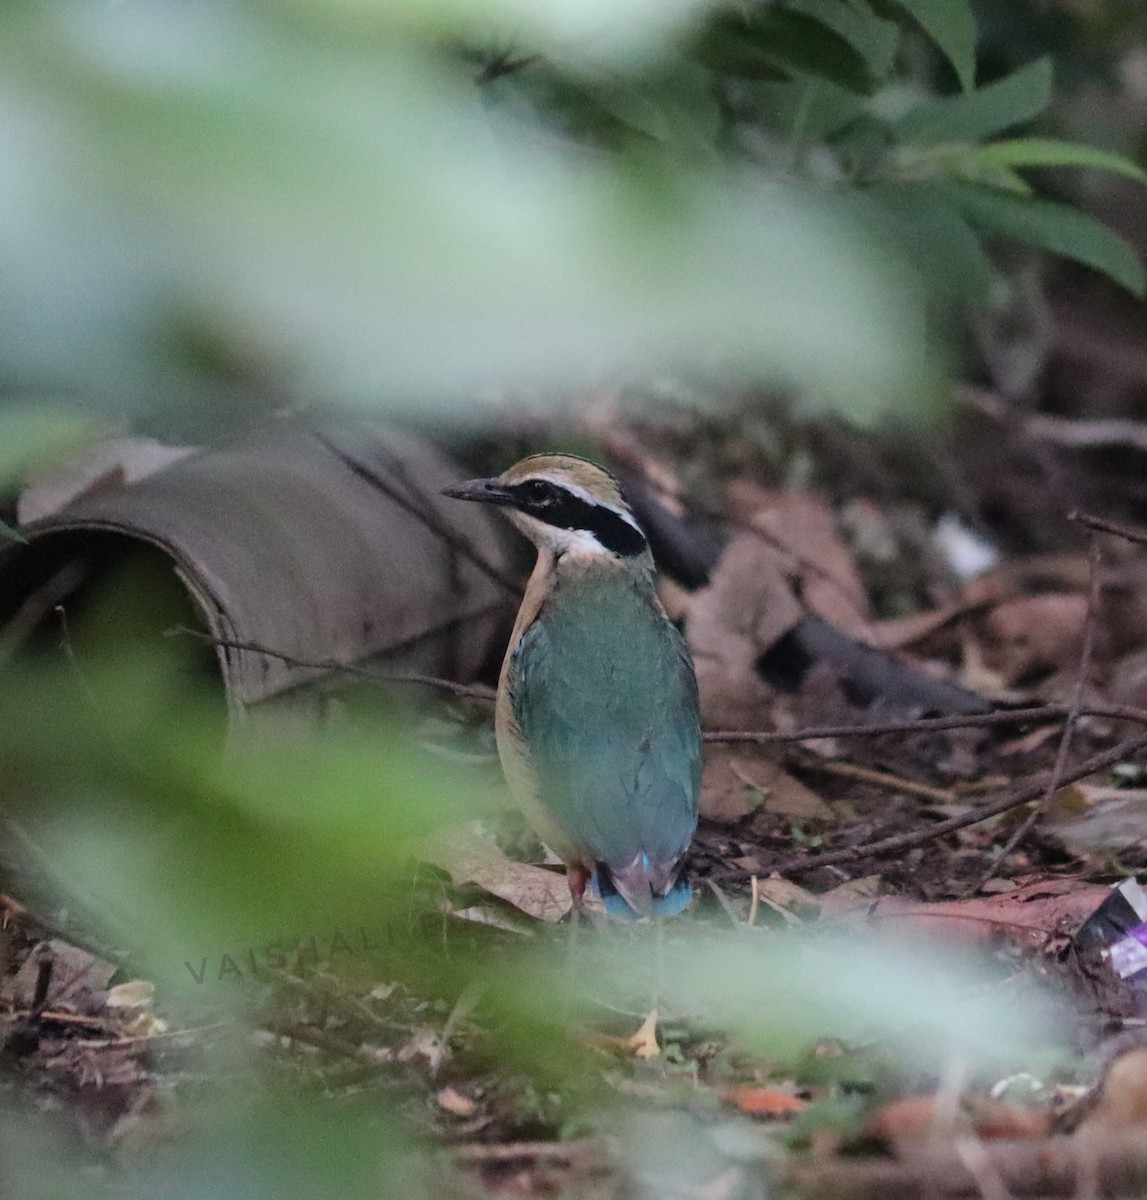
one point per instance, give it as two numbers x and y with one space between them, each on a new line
658 962
577 877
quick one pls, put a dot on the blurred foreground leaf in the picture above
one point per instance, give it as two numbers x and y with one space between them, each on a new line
1050 226
952 26
1014 100
350 220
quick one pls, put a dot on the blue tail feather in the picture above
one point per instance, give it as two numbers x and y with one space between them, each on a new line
673 902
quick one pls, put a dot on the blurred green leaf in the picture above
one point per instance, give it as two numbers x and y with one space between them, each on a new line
1050 226
1051 152
874 38
194 853
818 109
771 43
578 30
215 159
951 24
1014 100
33 433
937 239
956 162
7 533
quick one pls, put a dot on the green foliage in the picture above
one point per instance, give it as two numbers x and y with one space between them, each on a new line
331 199
952 26
1019 98
1050 226
409 206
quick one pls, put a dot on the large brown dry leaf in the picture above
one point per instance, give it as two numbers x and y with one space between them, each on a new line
1087 818
748 605
1027 915
66 974
1035 634
804 525
738 779
470 855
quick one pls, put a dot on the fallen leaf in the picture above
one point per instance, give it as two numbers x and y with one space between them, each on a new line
1036 633
764 1101
748 605
847 897
456 1103
896 633
785 898
427 1044
469 854
643 1044
803 524
137 993
996 1119
738 779
1122 1101
487 914
914 1118
72 975
1027 914
906 1119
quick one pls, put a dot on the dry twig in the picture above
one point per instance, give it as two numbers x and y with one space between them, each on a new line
1060 764
906 841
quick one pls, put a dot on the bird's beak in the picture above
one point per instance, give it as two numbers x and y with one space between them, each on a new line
488 491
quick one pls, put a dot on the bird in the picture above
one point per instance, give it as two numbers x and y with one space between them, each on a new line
597 717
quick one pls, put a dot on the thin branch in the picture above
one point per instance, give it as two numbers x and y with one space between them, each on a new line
426 515
885 779
907 841
1053 783
1101 525
1011 716
475 691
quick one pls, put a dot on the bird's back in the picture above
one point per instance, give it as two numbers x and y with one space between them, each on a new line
604 696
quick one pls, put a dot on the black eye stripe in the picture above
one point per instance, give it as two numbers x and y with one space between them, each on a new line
556 506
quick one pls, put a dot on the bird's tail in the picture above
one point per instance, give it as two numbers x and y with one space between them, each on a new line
641 888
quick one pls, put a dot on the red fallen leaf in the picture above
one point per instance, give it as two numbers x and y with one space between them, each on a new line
993 1119
909 1119
764 1101
913 1118
1027 914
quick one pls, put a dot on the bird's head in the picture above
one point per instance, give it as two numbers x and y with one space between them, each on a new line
564 504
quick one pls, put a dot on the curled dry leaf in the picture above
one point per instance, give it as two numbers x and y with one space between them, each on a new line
136 993
856 894
643 1044
747 607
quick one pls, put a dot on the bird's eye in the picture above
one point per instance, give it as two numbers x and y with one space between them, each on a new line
536 490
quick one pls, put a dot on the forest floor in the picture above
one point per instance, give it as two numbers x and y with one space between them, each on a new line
924 681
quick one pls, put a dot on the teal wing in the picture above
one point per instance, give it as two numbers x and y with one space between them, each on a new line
606 698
